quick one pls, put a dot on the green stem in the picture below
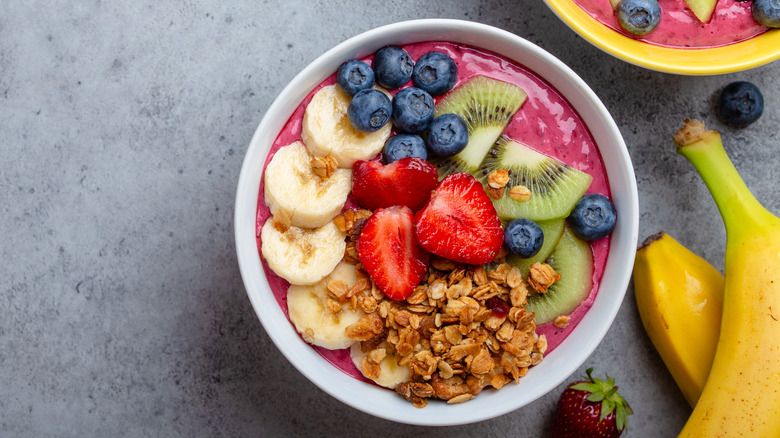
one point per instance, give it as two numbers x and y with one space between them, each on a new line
740 210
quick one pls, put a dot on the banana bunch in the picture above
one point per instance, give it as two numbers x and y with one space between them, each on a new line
740 396
679 296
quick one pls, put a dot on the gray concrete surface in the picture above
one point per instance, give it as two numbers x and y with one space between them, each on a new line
122 130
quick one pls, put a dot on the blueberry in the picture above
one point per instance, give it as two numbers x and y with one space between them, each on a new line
593 217
448 134
523 238
740 104
402 146
354 76
413 110
435 72
767 12
392 67
369 110
639 17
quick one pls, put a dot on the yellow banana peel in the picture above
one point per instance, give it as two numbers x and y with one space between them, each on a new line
742 394
679 296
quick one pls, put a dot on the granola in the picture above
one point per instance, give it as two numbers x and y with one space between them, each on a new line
520 193
447 332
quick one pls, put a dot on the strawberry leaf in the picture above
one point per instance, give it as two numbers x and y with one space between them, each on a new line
620 416
607 406
586 386
596 397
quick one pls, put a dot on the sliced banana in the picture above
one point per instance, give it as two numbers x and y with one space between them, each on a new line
327 131
292 187
307 308
391 374
302 255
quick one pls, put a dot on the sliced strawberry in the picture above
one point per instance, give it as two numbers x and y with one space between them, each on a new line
389 252
459 222
408 182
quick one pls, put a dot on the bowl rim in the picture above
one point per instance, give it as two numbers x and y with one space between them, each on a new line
612 289
740 56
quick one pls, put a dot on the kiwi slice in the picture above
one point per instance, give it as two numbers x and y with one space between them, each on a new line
555 187
487 105
573 259
552 230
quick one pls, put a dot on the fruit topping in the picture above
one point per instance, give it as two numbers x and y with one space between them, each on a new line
384 370
767 12
499 307
369 110
572 259
326 130
487 106
593 217
408 182
552 230
316 312
523 238
354 76
590 408
740 104
293 187
412 110
554 187
392 67
639 17
702 9
435 72
459 222
403 146
389 252
302 255
447 135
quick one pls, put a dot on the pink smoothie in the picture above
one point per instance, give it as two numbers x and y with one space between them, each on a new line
731 22
545 122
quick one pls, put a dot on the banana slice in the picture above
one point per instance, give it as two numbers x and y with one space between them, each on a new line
312 318
302 255
391 374
292 187
327 131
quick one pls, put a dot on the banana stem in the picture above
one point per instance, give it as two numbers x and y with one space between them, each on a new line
738 207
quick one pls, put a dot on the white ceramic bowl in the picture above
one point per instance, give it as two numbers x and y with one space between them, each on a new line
556 366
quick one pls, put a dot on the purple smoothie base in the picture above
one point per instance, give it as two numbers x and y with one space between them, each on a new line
546 122
731 22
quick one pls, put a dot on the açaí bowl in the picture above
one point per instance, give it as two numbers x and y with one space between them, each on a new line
738 56
561 362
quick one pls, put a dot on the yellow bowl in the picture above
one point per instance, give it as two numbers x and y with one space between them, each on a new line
740 56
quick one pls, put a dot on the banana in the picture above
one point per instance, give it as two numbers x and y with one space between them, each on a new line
292 187
679 296
309 313
741 396
390 375
326 130
302 255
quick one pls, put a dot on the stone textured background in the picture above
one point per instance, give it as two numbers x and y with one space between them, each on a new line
122 130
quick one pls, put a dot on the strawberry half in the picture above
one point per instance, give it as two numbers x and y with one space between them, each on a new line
459 222
389 252
590 408
408 182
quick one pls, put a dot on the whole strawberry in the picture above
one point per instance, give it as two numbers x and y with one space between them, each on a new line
590 408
